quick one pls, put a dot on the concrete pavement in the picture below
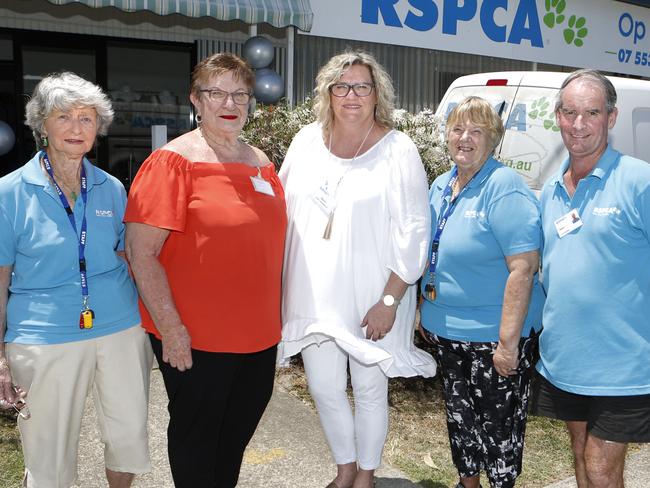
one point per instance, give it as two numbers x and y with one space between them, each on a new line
287 451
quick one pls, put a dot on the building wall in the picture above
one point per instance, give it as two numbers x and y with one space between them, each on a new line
420 76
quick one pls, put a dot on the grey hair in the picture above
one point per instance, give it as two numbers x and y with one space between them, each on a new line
590 76
65 91
332 72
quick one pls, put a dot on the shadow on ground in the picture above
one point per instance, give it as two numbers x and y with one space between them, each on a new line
384 482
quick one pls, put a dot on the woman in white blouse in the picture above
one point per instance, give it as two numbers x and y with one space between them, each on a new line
357 240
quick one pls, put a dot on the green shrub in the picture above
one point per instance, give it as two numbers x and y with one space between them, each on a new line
271 128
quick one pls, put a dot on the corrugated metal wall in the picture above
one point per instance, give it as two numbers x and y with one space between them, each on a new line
206 48
420 76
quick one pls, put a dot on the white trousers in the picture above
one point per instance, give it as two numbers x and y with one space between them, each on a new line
357 437
58 378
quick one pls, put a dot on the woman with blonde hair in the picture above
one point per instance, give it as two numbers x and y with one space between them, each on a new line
356 243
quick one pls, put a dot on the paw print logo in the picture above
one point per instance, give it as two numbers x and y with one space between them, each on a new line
540 110
576 31
554 9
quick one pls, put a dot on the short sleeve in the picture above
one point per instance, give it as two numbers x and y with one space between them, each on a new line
7 241
121 204
642 205
158 196
516 223
410 216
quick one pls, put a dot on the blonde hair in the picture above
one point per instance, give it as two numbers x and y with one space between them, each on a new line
479 112
332 72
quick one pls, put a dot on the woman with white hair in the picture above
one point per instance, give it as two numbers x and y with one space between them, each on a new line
70 323
357 240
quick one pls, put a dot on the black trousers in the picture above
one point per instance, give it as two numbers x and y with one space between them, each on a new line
214 409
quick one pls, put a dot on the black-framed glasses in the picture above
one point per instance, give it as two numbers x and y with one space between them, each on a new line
359 89
220 96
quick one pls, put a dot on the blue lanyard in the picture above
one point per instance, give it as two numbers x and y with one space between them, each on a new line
442 220
82 235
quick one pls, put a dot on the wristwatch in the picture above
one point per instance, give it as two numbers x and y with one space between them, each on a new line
390 300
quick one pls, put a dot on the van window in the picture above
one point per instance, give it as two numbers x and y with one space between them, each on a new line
532 144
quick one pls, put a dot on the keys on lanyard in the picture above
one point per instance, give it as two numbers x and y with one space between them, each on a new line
87 315
430 288
86 319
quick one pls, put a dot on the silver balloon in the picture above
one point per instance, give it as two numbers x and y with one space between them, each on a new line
258 51
7 138
269 87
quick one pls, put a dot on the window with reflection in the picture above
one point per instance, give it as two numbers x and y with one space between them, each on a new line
149 85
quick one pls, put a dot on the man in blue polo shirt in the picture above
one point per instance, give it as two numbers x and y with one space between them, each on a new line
596 269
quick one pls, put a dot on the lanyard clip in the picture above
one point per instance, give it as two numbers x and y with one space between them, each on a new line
85 303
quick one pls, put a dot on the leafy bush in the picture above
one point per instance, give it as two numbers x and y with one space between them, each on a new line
271 128
426 131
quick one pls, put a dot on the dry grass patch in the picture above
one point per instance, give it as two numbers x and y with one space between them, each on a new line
418 444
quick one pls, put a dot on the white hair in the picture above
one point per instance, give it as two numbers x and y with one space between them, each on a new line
65 91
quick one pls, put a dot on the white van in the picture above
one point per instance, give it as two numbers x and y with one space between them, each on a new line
532 144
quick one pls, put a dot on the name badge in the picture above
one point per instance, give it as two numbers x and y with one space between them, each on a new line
262 186
324 199
568 223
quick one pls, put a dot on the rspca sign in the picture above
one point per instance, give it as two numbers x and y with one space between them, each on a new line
602 34
423 15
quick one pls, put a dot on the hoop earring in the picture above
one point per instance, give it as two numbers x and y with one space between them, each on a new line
198 119
44 141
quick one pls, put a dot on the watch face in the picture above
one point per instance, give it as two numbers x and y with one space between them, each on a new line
389 300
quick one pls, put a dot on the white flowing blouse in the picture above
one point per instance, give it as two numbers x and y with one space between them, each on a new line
381 224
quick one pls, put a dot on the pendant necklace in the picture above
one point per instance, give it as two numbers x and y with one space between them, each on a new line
330 219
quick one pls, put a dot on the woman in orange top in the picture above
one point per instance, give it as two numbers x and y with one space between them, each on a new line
205 234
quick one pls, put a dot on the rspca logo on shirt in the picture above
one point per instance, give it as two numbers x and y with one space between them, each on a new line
606 211
103 213
474 214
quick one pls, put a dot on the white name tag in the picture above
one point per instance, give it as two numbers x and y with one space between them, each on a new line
568 223
324 199
262 186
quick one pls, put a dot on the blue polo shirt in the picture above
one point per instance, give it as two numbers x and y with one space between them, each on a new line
495 216
596 338
37 239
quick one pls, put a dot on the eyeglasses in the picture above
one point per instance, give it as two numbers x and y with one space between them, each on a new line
219 96
360 89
